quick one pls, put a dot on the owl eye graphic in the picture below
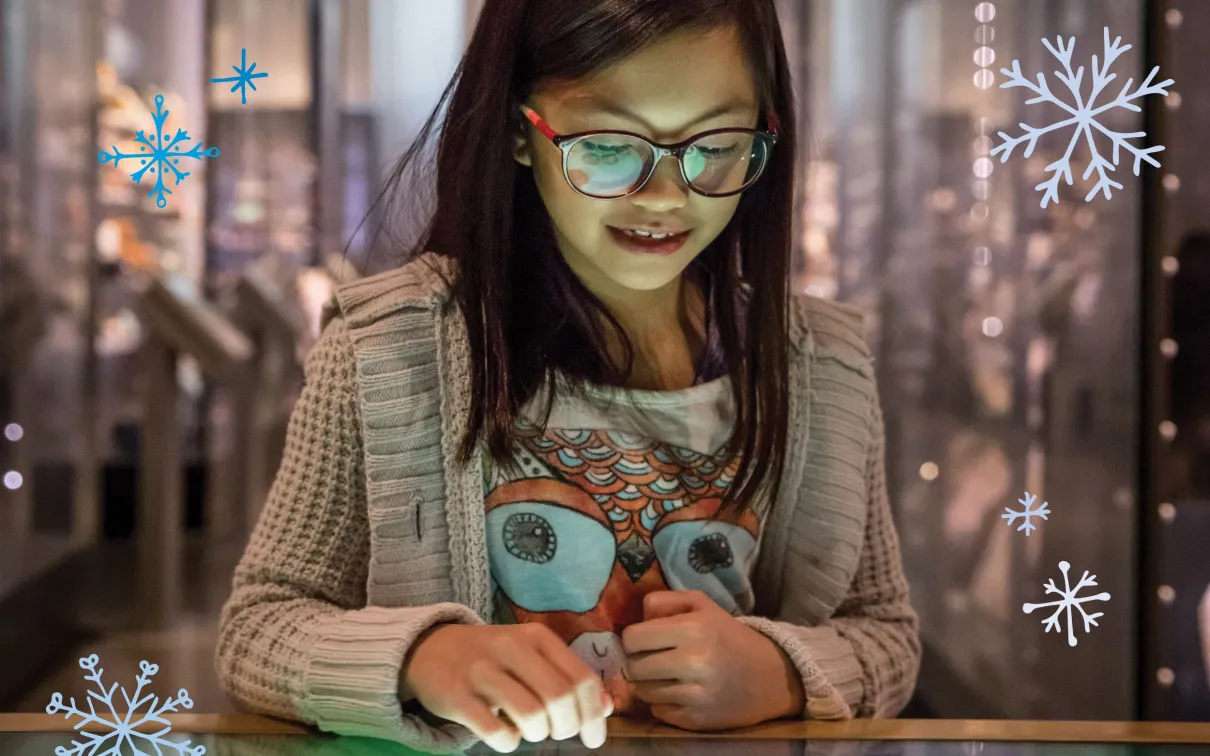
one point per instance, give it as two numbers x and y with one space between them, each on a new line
708 556
530 537
549 558
710 552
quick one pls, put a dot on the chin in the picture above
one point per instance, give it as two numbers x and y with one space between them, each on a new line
642 272
647 277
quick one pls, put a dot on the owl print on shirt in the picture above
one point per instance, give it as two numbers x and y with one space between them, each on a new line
593 520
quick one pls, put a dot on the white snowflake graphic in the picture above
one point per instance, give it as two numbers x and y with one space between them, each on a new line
1084 117
1070 599
121 729
164 156
1026 514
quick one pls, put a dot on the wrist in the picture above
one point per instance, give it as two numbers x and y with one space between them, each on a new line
797 700
406 693
790 699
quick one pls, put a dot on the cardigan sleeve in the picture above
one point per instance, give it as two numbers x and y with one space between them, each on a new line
296 639
864 660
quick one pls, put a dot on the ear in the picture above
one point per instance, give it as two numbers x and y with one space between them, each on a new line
523 148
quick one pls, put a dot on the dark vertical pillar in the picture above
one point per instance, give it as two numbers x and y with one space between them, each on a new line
1174 511
16 164
884 235
1148 543
159 520
86 515
326 77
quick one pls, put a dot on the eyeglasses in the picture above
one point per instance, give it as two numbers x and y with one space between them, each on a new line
616 164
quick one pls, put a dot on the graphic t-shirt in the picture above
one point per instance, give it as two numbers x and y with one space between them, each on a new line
616 498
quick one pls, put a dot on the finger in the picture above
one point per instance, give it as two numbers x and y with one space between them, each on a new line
553 688
476 715
661 666
592 699
500 689
593 733
669 603
668 693
593 702
657 634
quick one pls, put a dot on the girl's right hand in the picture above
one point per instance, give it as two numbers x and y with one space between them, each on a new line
473 674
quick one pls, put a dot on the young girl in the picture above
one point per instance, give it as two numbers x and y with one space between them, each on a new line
585 454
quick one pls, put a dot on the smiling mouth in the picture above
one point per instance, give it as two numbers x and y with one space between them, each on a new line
644 241
654 235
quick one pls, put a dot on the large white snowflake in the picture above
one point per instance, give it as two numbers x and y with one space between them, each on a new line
164 156
1026 514
120 729
1070 599
1084 117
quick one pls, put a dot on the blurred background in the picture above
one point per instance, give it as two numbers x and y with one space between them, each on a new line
149 357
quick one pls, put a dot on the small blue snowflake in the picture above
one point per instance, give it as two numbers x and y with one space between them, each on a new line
164 156
122 730
243 77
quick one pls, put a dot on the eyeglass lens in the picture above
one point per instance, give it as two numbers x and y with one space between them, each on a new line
613 165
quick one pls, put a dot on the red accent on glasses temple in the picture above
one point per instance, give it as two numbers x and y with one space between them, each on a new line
773 122
538 123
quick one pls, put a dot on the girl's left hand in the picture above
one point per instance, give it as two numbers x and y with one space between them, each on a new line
702 669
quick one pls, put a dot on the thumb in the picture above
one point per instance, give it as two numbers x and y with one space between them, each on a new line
670 603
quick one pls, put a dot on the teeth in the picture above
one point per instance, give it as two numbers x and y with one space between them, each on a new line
646 234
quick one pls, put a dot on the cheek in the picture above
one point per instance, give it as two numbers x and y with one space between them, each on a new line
577 217
573 213
715 214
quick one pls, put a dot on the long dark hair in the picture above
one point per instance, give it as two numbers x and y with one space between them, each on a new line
528 317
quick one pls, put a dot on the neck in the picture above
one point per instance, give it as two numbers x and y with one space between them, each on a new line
666 326
667 329
640 313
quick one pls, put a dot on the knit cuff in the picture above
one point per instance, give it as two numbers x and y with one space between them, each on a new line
351 685
831 674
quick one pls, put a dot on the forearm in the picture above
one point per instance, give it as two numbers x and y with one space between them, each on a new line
850 666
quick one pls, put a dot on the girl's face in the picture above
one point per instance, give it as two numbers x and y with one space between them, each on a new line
670 91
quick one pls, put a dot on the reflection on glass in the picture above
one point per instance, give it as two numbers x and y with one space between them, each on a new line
327 745
1004 333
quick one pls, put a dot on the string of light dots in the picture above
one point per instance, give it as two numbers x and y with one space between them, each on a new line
984 166
1169 265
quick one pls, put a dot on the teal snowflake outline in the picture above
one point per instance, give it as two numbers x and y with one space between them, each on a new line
162 158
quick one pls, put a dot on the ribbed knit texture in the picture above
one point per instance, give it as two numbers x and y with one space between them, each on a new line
372 533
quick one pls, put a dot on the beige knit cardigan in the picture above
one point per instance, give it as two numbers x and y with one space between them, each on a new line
372 533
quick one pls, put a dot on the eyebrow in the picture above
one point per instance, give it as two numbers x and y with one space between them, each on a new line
613 109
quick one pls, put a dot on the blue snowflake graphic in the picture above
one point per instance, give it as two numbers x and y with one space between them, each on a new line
1083 116
121 730
243 77
164 156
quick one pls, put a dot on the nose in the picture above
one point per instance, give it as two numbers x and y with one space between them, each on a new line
666 190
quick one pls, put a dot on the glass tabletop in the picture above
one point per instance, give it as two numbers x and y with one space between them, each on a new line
44 744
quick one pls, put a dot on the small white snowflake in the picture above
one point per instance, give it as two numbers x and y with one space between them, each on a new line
121 728
1070 599
1084 117
1027 513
